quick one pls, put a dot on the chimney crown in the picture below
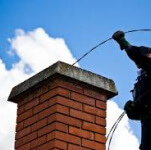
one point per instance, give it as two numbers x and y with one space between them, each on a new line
66 70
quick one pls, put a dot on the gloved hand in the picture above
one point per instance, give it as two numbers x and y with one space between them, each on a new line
132 110
118 35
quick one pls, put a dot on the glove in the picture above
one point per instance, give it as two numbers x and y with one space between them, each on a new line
118 35
119 38
132 110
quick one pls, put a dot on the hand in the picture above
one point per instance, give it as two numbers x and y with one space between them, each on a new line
118 35
132 110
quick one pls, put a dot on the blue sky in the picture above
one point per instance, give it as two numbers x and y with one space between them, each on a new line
83 24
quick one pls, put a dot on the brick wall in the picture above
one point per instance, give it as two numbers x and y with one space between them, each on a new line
60 113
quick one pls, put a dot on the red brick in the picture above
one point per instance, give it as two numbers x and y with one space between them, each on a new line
54 92
62 109
54 109
75 147
53 84
39 124
38 141
60 144
24 147
40 107
101 104
64 136
19 126
51 127
25 100
40 91
68 85
64 116
100 138
66 102
29 137
95 94
64 119
47 112
31 120
23 132
100 121
81 115
24 116
94 127
81 133
26 139
93 145
31 104
61 127
94 111
52 118
20 110
52 144
46 146
72 86
83 99
63 92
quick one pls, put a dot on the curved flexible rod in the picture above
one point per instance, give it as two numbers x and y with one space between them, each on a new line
105 42
115 127
121 116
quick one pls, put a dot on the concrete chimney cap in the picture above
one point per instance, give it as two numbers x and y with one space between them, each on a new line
67 70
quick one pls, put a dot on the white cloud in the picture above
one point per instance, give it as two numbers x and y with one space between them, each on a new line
8 110
37 50
123 138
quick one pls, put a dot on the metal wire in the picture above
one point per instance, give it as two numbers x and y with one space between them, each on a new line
138 30
114 127
121 116
91 50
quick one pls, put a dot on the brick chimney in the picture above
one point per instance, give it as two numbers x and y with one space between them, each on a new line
62 108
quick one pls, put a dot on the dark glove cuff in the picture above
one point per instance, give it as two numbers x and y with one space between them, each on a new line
123 43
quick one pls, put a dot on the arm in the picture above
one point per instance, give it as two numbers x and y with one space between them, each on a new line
140 55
